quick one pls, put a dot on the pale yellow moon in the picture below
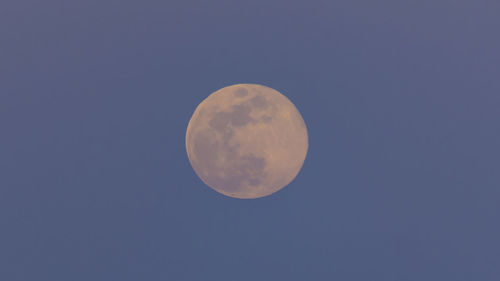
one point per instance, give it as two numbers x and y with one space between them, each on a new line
246 141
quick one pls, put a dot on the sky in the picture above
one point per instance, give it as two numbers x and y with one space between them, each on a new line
401 100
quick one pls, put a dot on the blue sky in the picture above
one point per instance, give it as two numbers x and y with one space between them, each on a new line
401 100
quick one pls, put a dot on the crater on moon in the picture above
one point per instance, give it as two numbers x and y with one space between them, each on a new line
241 92
248 146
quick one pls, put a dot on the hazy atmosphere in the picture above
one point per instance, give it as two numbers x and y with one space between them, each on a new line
401 102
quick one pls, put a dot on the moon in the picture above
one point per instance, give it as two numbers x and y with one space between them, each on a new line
246 141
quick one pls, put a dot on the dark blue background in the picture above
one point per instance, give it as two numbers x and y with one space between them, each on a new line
402 103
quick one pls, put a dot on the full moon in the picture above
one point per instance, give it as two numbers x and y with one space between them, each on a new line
246 141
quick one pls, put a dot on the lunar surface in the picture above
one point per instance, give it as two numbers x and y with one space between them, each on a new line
246 141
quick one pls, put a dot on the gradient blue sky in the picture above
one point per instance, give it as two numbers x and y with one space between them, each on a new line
402 103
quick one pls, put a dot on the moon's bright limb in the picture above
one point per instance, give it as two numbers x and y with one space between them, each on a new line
246 141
